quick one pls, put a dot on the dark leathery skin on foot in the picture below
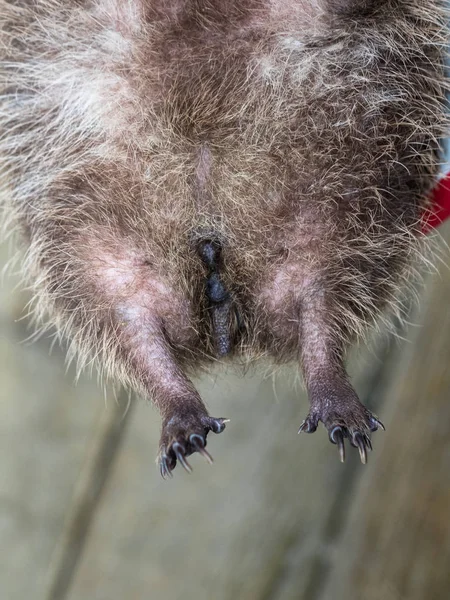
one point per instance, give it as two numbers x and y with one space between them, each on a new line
182 436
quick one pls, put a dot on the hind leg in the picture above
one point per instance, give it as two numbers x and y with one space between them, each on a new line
112 299
333 401
185 419
303 317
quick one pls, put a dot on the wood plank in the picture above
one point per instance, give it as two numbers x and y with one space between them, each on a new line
225 531
88 491
397 545
45 426
268 521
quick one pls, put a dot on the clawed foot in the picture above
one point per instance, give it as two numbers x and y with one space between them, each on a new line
355 423
182 436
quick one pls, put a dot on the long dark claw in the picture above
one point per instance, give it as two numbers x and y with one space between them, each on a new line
179 453
198 443
302 427
359 442
206 455
307 427
376 424
164 468
337 437
218 425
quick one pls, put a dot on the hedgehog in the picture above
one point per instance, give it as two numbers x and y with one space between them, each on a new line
202 180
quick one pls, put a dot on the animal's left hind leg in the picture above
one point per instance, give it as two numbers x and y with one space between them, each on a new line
332 398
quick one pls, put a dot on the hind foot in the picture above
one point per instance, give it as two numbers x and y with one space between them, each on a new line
344 417
181 436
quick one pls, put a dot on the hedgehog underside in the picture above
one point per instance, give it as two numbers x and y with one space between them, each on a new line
200 179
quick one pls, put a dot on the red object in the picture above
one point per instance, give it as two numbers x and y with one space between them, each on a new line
440 205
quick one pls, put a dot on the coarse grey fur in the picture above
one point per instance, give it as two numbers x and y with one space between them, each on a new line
300 138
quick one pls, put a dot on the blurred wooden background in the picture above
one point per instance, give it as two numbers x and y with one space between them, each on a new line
85 514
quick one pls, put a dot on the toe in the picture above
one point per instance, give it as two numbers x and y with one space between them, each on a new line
308 426
165 466
180 453
337 436
198 444
217 425
375 424
362 442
